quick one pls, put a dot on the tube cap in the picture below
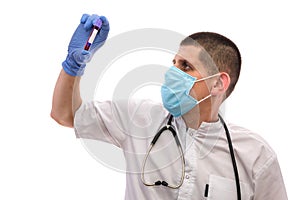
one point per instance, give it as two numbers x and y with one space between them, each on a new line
98 23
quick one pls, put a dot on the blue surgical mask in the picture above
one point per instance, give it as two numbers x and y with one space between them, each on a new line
175 91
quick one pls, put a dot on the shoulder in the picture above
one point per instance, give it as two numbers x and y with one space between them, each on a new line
143 111
132 104
124 109
253 149
247 137
137 106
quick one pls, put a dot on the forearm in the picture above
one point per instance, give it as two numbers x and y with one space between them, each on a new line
66 99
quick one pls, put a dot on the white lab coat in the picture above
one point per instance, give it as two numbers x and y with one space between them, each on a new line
131 126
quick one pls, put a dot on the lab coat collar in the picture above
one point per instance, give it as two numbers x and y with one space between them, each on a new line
210 127
205 127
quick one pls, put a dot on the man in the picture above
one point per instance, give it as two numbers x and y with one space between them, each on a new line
197 163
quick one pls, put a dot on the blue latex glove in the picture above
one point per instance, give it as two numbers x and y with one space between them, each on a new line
78 57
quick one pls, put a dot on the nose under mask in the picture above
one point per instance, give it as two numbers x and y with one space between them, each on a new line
175 91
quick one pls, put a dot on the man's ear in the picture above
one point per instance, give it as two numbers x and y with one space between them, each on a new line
221 84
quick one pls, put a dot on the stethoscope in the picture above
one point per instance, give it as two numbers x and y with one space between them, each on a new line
171 128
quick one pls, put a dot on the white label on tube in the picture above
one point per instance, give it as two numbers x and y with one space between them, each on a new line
92 37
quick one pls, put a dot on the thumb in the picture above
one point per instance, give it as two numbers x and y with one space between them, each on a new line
81 56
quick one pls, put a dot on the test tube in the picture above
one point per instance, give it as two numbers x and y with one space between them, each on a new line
92 37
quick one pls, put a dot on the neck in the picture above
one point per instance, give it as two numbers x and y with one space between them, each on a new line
206 113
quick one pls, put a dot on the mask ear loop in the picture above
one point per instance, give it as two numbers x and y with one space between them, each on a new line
208 77
208 96
203 79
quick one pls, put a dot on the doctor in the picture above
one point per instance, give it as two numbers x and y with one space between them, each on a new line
197 163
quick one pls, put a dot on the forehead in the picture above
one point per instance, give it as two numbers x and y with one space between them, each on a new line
191 54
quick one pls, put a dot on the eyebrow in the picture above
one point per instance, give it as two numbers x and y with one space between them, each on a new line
184 60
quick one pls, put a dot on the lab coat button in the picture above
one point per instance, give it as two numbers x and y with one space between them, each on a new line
187 176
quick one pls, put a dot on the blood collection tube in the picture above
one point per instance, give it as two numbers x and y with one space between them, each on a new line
96 28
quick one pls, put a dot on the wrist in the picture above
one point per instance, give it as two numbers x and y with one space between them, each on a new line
75 62
72 68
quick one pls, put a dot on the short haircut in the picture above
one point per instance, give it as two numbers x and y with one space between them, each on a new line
224 53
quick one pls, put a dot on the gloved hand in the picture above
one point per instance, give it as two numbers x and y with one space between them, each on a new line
78 57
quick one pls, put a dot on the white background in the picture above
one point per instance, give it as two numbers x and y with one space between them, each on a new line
41 160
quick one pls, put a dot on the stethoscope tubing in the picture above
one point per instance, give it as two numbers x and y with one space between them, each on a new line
235 169
170 127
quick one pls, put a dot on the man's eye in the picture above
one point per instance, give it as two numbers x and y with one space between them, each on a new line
186 66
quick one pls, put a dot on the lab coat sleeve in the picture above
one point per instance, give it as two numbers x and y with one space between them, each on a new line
101 121
269 184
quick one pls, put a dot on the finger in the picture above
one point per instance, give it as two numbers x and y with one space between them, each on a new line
105 23
81 56
84 18
90 21
85 56
85 52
